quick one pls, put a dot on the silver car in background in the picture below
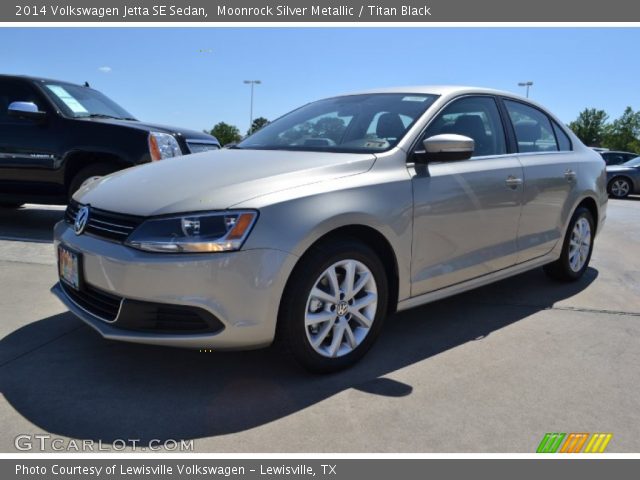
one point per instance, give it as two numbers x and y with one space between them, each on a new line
329 219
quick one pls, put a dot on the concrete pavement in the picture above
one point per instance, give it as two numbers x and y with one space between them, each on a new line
491 370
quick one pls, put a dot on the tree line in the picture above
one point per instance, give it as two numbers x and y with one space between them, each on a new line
226 133
595 130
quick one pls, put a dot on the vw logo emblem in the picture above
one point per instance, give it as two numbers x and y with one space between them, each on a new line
81 220
342 308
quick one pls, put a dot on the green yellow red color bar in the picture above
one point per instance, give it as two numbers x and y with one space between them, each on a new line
574 442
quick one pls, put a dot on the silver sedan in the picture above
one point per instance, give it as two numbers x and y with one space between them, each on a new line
316 228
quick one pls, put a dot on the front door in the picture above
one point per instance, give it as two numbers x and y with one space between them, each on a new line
28 159
466 212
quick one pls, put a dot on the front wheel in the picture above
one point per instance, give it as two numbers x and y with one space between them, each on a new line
619 187
90 171
334 306
576 249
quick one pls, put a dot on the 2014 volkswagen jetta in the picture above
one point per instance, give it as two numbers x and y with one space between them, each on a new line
320 225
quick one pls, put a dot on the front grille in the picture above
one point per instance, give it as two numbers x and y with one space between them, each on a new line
95 301
198 146
104 224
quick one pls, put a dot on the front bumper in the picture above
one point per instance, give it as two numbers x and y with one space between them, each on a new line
240 289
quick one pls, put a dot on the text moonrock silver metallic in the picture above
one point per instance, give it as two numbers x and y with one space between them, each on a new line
321 224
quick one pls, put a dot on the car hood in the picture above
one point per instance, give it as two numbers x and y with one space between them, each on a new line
153 127
215 180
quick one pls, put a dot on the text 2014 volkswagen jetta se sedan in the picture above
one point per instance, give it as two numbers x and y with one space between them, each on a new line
317 227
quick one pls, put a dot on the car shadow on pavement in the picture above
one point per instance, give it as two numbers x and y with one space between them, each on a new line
29 224
64 378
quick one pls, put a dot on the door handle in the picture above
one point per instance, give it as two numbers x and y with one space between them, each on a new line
513 182
570 175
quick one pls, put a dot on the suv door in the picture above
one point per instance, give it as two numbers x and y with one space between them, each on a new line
465 212
550 169
28 148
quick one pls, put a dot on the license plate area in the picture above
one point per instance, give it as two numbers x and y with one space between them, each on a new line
70 267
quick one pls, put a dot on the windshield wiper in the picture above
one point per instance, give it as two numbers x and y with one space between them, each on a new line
102 115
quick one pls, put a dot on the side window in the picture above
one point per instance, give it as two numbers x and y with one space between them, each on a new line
16 92
474 117
564 144
534 132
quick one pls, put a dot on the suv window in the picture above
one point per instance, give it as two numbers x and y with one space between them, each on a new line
16 92
533 129
474 117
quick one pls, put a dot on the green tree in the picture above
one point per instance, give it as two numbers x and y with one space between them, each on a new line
257 124
624 132
226 133
590 126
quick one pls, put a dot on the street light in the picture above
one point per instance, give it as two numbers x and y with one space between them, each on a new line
252 83
525 84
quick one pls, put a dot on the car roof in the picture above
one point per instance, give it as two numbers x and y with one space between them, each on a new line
440 90
36 79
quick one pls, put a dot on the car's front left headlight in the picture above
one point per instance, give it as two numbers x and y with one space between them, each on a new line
194 233
163 145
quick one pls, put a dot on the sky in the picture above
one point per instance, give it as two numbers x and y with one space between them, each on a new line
193 77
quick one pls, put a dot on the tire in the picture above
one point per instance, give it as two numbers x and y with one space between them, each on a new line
576 249
95 170
619 187
299 306
10 205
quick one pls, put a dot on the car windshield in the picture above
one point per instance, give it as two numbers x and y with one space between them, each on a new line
634 162
355 123
81 102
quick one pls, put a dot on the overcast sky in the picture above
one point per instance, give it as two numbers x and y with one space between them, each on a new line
193 77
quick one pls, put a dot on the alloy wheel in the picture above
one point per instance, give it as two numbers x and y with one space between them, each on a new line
579 244
341 308
620 188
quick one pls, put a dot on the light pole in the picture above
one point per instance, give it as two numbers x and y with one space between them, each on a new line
526 84
252 83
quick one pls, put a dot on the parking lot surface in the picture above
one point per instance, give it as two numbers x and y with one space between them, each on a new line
491 370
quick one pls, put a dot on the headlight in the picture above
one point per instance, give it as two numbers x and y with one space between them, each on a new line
197 233
163 145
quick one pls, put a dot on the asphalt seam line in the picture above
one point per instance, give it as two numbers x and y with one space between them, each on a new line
40 346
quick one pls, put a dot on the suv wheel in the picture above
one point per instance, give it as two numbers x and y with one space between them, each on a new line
576 249
334 306
619 187
95 170
10 205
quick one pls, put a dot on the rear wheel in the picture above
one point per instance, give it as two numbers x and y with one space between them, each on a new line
95 170
576 249
619 187
334 306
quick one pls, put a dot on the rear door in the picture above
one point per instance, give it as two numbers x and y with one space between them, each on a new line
550 170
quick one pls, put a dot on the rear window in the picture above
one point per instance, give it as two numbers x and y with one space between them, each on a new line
533 129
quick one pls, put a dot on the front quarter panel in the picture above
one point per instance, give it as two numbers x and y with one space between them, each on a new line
294 219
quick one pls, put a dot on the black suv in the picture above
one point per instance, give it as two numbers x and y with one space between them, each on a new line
55 135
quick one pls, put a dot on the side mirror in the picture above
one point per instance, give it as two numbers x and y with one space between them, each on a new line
447 147
27 110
